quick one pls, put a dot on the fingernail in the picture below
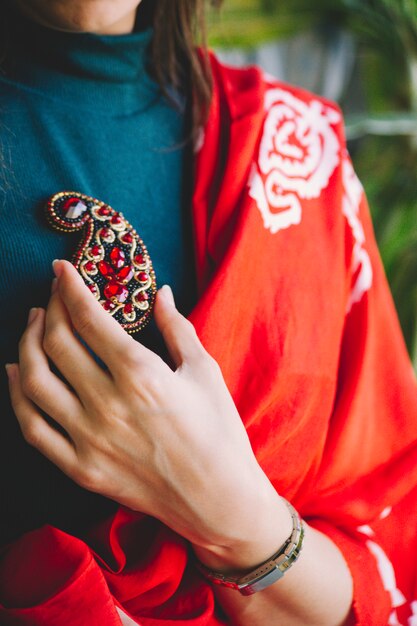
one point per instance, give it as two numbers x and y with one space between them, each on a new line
9 370
32 315
56 268
167 294
54 286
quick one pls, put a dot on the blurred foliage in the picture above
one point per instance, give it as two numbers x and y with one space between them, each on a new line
386 32
248 23
392 23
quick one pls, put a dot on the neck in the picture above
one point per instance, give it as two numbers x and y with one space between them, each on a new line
78 21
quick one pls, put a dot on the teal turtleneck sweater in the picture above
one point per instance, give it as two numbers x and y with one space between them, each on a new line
78 112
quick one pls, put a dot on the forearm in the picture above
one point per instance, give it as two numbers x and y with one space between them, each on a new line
315 591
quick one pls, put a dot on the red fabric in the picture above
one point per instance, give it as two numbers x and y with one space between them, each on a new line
295 307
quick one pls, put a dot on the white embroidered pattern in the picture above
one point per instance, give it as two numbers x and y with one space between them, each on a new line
386 570
385 512
361 263
298 153
125 619
366 530
412 621
387 573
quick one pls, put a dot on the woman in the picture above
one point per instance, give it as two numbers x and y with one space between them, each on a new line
318 400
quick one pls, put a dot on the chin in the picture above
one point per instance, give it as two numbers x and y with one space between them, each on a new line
97 16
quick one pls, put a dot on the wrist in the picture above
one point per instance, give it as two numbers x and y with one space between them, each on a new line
269 571
264 526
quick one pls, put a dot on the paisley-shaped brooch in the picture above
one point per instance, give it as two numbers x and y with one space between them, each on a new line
111 258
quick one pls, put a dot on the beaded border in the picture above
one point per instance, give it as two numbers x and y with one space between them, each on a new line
96 217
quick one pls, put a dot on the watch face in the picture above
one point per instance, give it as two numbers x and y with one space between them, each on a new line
262 583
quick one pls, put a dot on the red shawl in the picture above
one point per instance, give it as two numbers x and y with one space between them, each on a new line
295 307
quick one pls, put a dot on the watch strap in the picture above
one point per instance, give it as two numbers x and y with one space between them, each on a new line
270 570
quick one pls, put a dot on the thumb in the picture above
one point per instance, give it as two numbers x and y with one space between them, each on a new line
178 332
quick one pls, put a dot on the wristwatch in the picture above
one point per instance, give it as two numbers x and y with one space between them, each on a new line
271 570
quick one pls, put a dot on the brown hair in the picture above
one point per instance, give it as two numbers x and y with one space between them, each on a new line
176 61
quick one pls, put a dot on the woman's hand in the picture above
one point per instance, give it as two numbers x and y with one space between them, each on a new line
167 443
170 444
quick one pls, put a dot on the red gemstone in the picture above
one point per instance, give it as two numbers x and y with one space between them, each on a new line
126 274
106 232
93 289
116 219
96 251
104 211
116 290
127 238
117 257
139 259
106 270
142 296
108 305
90 266
128 308
143 277
73 208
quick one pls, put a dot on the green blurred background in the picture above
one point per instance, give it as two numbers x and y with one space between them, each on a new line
362 53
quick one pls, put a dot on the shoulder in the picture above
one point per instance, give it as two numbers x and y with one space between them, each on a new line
273 166
240 87
299 151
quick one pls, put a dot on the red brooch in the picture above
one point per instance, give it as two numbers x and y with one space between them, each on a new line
111 258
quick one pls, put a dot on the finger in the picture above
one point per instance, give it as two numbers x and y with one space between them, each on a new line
97 328
71 357
36 431
41 385
178 332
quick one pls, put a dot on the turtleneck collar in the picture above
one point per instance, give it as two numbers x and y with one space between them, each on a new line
107 72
